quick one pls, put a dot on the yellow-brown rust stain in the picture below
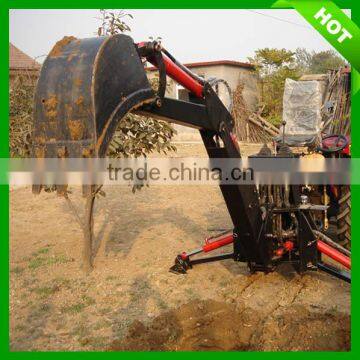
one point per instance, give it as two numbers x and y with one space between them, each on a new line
50 105
51 114
80 107
76 129
79 101
51 102
59 46
78 82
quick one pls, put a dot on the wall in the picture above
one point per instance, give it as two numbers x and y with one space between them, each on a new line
233 75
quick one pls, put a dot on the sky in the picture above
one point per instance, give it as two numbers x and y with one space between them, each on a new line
190 35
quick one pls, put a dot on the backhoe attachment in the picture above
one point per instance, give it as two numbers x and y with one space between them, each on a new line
86 87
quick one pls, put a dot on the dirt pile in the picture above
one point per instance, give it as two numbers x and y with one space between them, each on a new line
215 326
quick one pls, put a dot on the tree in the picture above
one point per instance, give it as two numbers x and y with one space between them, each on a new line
274 67
135 136
324 61
303 60
112 22
269 60
317 62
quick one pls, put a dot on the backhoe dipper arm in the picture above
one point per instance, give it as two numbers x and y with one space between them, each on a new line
206 112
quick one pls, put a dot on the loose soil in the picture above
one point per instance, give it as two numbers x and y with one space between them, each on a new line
131 302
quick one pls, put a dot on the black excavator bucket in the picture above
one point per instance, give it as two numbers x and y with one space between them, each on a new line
85 88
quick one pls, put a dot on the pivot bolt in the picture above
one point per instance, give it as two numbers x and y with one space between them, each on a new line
158 102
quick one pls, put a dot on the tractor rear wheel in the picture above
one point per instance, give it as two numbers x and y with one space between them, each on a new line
344 217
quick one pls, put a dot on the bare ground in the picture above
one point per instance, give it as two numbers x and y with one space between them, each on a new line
131 302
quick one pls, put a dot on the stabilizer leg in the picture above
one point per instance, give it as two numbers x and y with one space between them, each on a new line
183 261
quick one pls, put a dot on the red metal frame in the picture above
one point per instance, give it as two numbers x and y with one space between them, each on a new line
181 77
288 246
334 254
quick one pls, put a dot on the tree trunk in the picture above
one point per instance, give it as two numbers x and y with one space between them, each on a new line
88 231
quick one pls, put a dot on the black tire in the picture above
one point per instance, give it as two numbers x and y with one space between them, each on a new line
344 217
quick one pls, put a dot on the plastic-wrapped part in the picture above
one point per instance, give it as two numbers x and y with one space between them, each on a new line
302 103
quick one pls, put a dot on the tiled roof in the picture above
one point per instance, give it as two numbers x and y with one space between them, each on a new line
20 61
